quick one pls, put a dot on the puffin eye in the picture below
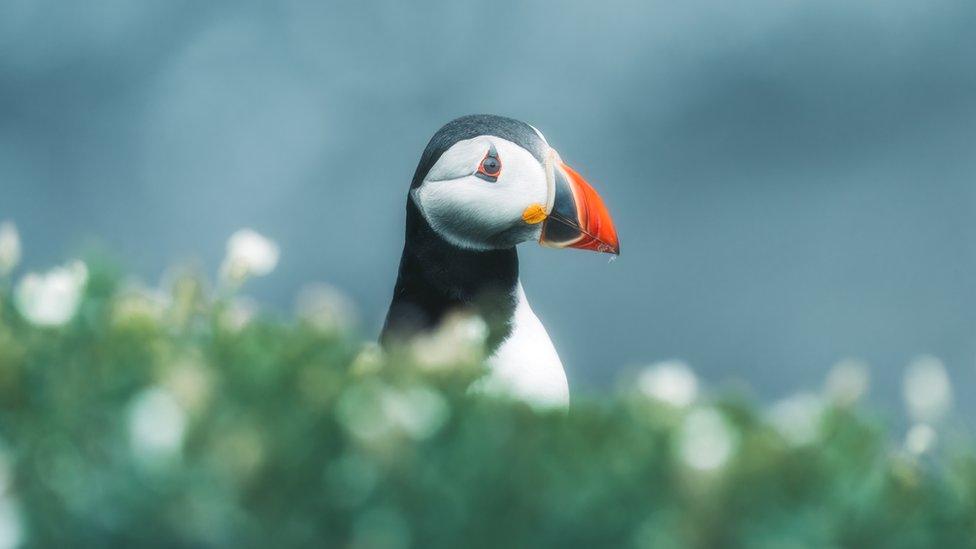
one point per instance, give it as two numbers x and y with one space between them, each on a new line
490 166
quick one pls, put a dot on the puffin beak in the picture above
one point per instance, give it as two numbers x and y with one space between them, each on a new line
575 216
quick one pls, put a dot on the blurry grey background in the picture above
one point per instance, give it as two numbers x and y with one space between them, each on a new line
793 182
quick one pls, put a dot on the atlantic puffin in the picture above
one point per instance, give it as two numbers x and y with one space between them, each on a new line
485 184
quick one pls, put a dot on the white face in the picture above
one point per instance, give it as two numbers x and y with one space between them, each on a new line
470 210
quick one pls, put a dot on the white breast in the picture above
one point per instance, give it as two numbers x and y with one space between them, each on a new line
526 365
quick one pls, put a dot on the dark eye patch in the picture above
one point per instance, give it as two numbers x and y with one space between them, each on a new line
490 167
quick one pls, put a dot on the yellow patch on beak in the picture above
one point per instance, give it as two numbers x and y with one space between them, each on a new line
535 213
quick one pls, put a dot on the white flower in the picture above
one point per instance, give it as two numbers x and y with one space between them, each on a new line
418 411
137 303
51 299
370 359
459 339
157 424
361 411
467 329
240 311
373 413
189 382
706 440
926 388
920 438
249 254
11 526
671 381
797 418
325 308
240 450
848 381
9 247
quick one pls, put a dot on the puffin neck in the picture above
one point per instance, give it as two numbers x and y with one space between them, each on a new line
437 277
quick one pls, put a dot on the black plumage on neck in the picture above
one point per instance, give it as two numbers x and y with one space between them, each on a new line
437 277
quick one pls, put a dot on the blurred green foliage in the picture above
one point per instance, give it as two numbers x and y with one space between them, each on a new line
160 419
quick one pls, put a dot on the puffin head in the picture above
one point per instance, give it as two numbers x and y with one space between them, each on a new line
488 182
